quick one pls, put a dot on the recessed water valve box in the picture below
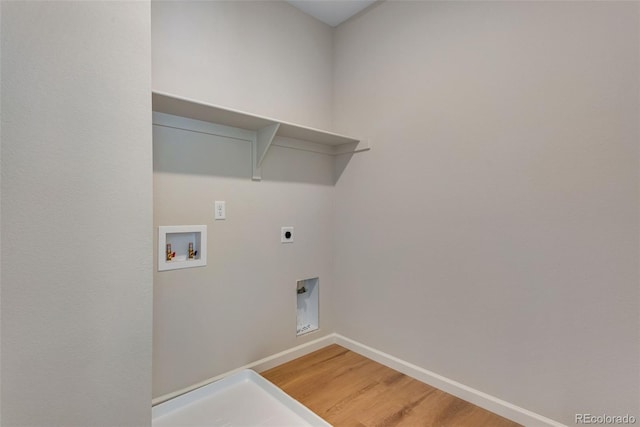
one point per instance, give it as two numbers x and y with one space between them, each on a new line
182 246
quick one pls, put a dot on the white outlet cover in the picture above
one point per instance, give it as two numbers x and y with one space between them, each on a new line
283 235
220 209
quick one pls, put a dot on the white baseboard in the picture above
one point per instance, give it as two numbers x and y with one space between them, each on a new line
258 366
483 400
478 398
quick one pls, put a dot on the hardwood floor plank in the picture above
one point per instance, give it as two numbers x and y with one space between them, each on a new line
349 390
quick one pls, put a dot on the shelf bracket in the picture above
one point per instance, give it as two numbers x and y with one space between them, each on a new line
260 146
352 147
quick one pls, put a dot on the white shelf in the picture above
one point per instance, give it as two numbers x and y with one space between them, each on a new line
263 129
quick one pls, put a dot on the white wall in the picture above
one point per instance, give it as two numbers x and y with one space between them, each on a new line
491 235
271 59
241 307
0 222
264 57
505 139
76 214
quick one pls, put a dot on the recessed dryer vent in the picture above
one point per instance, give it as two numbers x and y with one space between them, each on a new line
307 292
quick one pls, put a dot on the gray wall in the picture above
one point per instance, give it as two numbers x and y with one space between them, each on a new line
240 307
267 58
263 57
491 235
76 214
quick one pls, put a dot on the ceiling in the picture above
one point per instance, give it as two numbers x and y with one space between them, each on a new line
331 12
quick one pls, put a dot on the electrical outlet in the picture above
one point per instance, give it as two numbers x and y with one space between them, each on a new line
286 235
220 210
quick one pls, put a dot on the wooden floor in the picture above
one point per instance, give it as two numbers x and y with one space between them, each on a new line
347 389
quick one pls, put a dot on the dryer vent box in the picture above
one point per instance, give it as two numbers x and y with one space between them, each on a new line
307 294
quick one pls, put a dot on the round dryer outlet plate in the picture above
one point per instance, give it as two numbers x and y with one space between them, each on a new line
286 235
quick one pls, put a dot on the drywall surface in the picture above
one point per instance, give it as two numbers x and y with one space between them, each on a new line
267 58
263 57
0 224
76 214
491 235
241 307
